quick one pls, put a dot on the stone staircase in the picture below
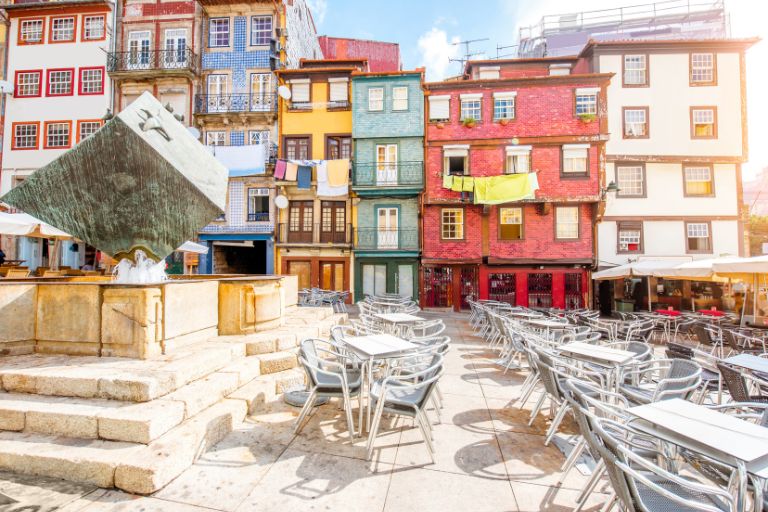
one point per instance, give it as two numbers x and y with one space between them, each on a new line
137 424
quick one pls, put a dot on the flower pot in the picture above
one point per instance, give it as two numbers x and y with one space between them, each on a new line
470 124
440 125
504 122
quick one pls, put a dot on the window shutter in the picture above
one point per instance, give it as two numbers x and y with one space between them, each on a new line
439 107
338 91
300 92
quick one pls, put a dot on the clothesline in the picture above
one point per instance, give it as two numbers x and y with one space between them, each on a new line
332 176
505 188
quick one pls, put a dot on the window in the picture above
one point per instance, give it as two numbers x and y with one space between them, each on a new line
60 82
62 29
338 92
31 31
25 135
559 69
698 180
576 159
631 180
518 159
400 98
258 137
489 73
635 70
452 224
218 32
567 222
510 223
261 30
439 108
297 148
703 122
94 28
635 122
503 105
87 128
698 238
456 160
471 106
27 84
91 80
258 205
216 138
338 147
301 94
57 134
586 102
703 69
375 99
630 237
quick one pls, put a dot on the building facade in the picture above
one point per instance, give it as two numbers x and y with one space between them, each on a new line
381 55
314 232
387 179
515 122
56 59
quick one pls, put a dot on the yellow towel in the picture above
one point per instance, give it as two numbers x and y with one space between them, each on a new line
505 188
291 170
338 172
469 184
458 184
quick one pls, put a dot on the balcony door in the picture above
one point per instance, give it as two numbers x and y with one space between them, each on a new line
386 164
261 92
175 48
405 280
139 43
333 222
374 279
218 88
300 218
386 228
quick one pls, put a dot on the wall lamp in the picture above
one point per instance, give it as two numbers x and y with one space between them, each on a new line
612 188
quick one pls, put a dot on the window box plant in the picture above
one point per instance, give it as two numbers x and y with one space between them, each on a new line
469 122
587 118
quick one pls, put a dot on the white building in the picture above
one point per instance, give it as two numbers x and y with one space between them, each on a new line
57 54
677 119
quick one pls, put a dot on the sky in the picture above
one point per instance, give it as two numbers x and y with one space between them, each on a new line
427 29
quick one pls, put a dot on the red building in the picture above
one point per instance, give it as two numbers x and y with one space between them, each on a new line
544 116
381 56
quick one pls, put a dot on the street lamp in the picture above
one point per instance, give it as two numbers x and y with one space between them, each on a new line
611 188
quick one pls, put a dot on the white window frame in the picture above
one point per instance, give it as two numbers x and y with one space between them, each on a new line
261 33
489 72
400 98
259 137
338 92
517 159
639 67
585 102
216 138
572 153
87 81
30 137
624 240
703 72
22 83
61 133
301 92
38 30
564 227
504 104
694 174
213 34
100 28
515 217
705 117
57 33
633 176
630 124
694 230
375 99
92 127
55 84
455 216
471 104
456 151
439 108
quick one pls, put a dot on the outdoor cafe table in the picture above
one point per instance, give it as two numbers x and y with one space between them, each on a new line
610 358
549 325
667 318
376 347
721 437
396 319
750 362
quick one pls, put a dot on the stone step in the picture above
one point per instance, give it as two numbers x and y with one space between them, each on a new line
266 388
278 362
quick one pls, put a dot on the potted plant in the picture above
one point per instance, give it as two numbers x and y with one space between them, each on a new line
469 122
440 125
587 118
504 121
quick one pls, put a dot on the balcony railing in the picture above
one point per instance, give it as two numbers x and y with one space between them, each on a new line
226 103
258 217
395 174
314 234
181 59
380 239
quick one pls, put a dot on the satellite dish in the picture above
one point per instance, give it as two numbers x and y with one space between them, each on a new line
194 131
281 202
284 92
6 87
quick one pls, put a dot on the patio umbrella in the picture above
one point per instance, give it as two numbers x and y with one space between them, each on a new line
22 224
193 247
746 269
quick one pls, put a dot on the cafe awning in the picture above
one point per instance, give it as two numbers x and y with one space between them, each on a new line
641 268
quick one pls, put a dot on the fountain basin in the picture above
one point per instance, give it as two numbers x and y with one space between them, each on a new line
94 316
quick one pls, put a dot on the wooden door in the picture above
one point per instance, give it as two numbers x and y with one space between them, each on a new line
300 218
332 275
333 222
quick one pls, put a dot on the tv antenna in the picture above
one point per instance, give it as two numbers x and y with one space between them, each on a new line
500 55
468 54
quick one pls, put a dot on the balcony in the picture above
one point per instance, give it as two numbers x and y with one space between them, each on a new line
385 178
147 63
258 217
318 235
309 106
375 239
236 104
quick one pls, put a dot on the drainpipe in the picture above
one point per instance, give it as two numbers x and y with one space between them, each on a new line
7 24
425 124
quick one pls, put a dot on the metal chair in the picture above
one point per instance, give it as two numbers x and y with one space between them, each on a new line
661 379
736 384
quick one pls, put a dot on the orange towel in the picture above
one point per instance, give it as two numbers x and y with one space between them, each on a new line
291 170
338 172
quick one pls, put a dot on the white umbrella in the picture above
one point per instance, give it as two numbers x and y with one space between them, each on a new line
22 224
193 247
640 268
755 265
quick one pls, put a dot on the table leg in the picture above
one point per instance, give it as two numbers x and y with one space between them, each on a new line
369 385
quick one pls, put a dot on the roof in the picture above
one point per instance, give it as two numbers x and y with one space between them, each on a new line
306 71
526 60
369 74
533 80
55 4
742 43
362 40
331 61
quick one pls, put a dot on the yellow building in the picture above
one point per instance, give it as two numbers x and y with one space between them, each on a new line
314 231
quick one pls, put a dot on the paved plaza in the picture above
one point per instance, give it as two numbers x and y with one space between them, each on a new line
488 458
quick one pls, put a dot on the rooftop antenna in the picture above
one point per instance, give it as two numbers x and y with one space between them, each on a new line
500 55
467 53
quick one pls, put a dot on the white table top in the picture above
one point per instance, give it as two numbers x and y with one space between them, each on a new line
379 345
396 318
597 353
749 361
526 314
549 324
699 428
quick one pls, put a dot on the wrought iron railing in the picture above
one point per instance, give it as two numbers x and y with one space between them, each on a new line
258 217
395 174
225 103
382 239
314 234
153 60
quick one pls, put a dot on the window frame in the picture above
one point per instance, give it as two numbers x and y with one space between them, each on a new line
300 106
708 223
699 83
576 95
578 222
636 225
383 97
80 122
80 82
647 70
344 104
40 84
286 138
463 224
271 29
566 175
209 132
343 140
229 32
502 96
406 99
13 135
510 153
48 82
83 27
51 40
624 123
499 224
439 98
641 165
714 122
446 161
477 119
690 165
46 124
20 41
248 196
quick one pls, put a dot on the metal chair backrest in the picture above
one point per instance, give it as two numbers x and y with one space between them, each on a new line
735 383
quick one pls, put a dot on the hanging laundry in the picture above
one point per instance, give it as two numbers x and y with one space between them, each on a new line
291 170
338 172
304 177
447 181
506 188
280 166
458 184
324 187
469 184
